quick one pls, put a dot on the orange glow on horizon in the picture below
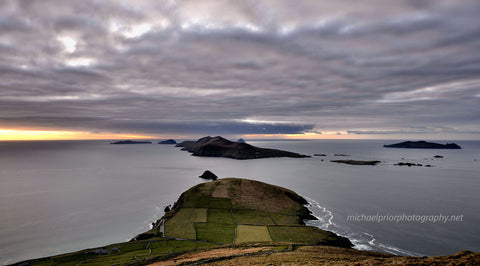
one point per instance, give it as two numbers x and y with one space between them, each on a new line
20 134
34 134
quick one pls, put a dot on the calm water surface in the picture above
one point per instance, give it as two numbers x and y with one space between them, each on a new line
61 196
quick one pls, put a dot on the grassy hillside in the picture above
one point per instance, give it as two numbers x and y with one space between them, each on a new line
232 210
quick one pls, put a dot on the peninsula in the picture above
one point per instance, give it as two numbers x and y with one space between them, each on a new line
220 147
423 145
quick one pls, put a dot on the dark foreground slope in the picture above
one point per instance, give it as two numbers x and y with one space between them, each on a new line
272 254
220 147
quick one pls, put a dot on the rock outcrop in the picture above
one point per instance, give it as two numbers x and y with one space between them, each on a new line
209 175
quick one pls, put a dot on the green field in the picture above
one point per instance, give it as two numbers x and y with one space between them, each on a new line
128 253
252 217
220 216
299 234
284 219
252 233
216 233
220 203
182 225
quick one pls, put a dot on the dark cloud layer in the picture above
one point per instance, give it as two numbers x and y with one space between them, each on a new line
242 67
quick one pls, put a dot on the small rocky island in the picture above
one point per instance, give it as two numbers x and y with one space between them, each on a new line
168 141
356 162
131 142
209 175
422 145
220 147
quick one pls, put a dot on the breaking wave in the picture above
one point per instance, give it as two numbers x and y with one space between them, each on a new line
360 240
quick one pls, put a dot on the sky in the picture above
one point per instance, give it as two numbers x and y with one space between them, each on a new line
351 69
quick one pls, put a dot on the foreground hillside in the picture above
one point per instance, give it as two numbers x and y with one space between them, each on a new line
268 254
236 210
238 222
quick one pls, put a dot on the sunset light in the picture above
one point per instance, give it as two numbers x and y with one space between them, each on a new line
13 134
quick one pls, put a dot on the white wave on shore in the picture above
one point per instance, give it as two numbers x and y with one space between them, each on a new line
360 240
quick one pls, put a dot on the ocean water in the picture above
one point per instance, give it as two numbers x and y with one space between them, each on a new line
62 196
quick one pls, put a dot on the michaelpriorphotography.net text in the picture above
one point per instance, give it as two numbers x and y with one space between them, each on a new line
402 218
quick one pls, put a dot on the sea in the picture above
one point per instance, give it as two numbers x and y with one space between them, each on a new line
63 196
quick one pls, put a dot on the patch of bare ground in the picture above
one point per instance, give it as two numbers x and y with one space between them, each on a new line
225 190
195 257
322 255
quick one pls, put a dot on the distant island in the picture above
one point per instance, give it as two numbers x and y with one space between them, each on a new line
131 142
356 162
168 141
241 141
220 147
422 145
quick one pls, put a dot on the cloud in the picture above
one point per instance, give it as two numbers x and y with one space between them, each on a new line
188 66
155 126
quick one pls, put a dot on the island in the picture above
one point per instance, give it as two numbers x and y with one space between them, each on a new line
239 222
168 141
356 162
241 141
422 145
411 164
131 142
209 175
220 147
